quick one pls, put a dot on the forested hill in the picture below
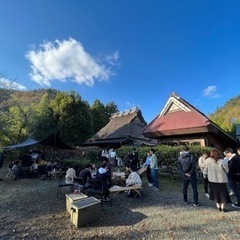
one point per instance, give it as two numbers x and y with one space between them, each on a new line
39 113
228 116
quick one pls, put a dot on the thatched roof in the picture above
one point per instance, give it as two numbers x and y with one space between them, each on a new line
124 127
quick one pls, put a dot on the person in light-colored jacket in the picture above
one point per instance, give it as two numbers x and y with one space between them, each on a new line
201 164
154 170
216 169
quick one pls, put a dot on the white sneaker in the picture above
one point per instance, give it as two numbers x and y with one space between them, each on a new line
231 193
207 195
150 184
156 189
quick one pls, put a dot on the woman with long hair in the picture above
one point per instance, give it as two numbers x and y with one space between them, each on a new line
216 169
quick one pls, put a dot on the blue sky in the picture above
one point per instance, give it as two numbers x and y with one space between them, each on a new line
132 52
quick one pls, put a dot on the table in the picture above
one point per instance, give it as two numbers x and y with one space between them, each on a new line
119 178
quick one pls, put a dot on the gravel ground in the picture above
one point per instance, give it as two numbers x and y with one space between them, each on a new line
30 210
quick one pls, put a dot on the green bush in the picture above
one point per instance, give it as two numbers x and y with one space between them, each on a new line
166 155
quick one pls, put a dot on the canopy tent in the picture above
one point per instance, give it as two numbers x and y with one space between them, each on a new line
27 142
53 141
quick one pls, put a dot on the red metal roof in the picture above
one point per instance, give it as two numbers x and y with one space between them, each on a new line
176 121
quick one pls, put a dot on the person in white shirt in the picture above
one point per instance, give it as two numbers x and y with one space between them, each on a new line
132 180
113 156
201 164
70 175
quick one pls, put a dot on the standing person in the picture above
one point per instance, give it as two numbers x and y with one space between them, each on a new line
216 169
104 155
112 155
234 173
187 166
148 165
16 170
201 164
133 158
231 192
154 170
1 161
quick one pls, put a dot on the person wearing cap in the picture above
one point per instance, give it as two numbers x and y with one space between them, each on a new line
234 173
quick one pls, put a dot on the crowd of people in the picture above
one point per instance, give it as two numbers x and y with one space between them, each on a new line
220 174
33 165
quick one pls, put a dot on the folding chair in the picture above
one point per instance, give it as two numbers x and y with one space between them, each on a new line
10 173
96 188
62 184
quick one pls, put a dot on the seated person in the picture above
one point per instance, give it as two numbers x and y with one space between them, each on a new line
34 167
16 170
132 180
70 175
93 170
57 165
26 160
85 173
104 174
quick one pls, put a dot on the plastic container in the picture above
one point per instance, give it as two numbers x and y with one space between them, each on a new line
85 211
71 198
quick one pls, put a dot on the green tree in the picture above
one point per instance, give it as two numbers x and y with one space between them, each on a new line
44 123
74 117
225 115
100 116
111 108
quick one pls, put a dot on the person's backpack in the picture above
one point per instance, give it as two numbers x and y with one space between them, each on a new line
186 164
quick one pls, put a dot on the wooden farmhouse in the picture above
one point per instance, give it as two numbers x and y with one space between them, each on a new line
124 128
180 123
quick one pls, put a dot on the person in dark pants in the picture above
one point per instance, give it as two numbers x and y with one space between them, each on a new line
149 174
133 158
201 164
187 166
1 161
234 173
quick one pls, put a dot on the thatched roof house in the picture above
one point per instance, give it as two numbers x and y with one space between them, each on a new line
180 123
124 127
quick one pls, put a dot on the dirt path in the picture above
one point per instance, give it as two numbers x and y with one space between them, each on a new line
30 210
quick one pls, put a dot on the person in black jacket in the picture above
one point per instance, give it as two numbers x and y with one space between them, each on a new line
85 173
133 158
187 165
1 161
234 173
104 174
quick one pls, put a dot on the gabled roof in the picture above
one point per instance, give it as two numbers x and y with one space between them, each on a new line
179 117
125 126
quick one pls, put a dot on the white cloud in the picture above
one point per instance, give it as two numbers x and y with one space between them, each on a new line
67 60
8 84
211 91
